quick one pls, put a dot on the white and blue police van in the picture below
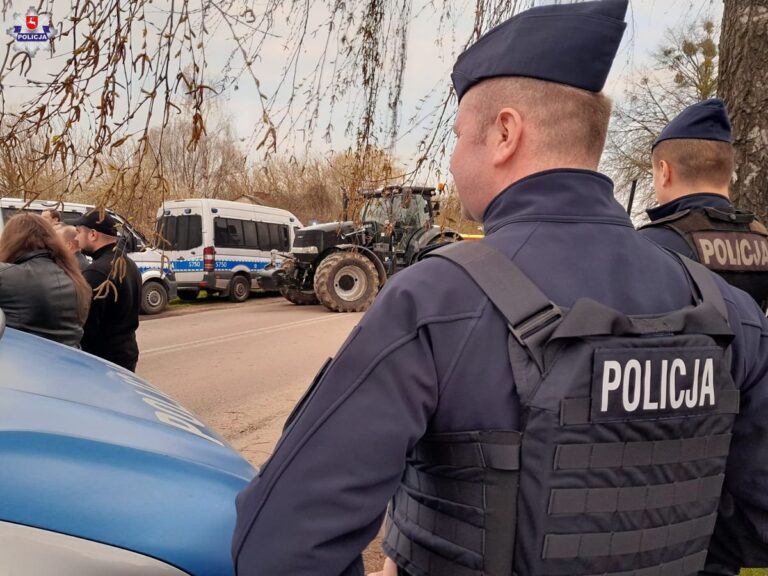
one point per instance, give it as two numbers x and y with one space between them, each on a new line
219 245
103 474
158 282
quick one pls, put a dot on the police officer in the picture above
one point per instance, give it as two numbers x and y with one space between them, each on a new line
535 405
692 168
110 331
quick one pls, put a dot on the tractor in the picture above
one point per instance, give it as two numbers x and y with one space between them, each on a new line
343 265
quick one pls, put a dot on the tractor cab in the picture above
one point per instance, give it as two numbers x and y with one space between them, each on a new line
398 213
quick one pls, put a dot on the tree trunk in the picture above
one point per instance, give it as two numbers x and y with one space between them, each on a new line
743 84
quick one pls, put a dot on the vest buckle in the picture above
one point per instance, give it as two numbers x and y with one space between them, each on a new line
536 322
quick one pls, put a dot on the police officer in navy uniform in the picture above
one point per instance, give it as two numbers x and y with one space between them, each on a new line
559 400
692 168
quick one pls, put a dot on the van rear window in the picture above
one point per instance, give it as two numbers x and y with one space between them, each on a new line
180 232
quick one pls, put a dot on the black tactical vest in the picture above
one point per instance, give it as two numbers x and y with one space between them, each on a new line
619 466
729 242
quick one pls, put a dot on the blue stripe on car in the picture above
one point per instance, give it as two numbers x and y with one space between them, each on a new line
197 265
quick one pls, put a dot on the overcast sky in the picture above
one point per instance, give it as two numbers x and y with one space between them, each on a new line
429 64
428 67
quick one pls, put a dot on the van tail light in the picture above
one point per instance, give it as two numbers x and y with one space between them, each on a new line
209 258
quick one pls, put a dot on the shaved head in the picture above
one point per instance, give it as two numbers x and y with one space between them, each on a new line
567 125
698 163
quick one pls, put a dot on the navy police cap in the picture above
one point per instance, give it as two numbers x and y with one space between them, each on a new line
93 220
707 120
572 44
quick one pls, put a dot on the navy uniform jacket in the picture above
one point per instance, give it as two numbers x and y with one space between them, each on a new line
671 239
431 355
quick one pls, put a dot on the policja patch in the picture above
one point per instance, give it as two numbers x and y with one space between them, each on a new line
735 252
644 383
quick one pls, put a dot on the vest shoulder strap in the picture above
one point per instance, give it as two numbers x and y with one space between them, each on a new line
525 307
731 216
530 315
704 279
666 220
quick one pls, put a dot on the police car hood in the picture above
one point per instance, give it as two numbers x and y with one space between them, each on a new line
90 450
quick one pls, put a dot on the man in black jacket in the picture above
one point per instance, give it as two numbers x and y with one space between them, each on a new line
110 331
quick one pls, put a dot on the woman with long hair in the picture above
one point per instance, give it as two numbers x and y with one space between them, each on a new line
41 288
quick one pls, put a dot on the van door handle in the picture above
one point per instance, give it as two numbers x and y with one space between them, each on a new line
193 253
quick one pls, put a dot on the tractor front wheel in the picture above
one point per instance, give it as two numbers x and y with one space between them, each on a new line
346 282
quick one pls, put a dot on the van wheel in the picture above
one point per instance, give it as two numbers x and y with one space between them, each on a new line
188 295
154 298
239 289
346 282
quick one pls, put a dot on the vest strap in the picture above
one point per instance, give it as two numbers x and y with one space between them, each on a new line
731 216
525 307
469 455
411 556
705 282
634 498
563 546
454 536
431 485
687 566
576 411
628 454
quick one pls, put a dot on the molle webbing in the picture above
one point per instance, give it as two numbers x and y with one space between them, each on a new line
632 454
630 542
576 411
634 498
685 566
455 506
470 455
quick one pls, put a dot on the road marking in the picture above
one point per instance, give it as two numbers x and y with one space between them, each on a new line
236 335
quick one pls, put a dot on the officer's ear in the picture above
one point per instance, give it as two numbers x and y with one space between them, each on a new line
665 173
508 130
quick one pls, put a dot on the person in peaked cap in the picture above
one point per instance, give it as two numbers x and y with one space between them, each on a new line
531 403
692 168
110 331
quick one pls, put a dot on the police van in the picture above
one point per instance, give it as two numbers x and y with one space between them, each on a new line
158 283
218 245
104 474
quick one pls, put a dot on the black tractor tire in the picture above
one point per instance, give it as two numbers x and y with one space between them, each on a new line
299 297
346 282
154 298
188 295
239 288
294 295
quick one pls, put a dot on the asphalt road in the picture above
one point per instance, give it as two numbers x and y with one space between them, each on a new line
240 367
